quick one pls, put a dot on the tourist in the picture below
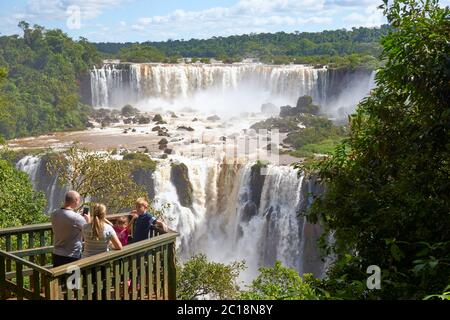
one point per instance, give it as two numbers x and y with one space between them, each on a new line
67 225
99 234
143 221
122 230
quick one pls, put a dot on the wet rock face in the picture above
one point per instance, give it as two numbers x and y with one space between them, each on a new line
144 120
179 176
184 128
47 182
304 105
257 183
253 201
213 118
163 144
144 177
158 118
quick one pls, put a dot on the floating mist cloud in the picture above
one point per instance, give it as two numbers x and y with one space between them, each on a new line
345 103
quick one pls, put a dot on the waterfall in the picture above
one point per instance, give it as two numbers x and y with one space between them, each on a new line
226 231
235 213
29 165
42 180
114 85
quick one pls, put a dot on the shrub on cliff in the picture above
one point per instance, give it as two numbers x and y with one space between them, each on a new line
19 204
280 283
129 111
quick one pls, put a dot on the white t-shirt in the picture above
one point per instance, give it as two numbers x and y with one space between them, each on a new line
93 246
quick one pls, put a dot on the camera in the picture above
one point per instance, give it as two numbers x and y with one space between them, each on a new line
85 210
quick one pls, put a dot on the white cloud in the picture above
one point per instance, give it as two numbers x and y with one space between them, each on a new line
371 16
353 3
245 16
56 9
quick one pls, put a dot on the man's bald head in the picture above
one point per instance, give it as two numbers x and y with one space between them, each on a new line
72 199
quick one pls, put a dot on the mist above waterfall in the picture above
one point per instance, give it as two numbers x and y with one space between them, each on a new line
247 98
226 90
357 88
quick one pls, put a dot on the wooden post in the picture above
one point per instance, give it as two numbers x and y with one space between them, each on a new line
2 278
150 275
172 271
142 276
158 274
36 285
166 272
8 249
19 280
117 280
51 288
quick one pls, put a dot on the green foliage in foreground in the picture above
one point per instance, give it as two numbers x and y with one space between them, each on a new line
19 204
280 283
388 191
199 277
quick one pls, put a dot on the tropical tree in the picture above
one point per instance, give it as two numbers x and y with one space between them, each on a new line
199 278
388 191
280 283
19 204
97 177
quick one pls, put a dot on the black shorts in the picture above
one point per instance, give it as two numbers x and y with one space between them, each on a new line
61 260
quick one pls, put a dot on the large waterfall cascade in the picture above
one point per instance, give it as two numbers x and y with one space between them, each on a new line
115 85
230 218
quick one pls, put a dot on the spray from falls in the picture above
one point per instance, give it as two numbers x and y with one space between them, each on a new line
115 85
233 213
226 223
216 88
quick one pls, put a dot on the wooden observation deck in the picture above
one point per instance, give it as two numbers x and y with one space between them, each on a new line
141 271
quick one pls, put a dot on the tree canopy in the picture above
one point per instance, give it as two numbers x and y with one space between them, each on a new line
388 190
42 92
19 204
198 277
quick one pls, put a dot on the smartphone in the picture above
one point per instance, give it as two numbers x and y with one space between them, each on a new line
85 210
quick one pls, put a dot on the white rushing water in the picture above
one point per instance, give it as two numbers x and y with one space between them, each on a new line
218 223
224 222
116 85
30 164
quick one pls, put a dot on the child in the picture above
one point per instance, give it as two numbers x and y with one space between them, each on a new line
122 230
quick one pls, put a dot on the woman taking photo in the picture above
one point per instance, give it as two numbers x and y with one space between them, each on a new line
99 233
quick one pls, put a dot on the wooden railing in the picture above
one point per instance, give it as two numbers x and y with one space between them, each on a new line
144 270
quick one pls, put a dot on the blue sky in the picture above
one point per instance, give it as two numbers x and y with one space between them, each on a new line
157 20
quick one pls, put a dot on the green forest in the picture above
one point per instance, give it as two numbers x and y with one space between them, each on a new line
336 46
42 91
